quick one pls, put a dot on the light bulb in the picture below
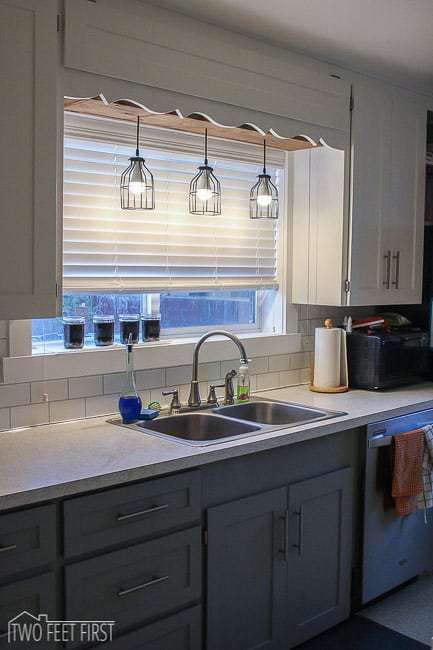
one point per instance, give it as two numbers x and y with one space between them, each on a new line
264 200
137 188
204 194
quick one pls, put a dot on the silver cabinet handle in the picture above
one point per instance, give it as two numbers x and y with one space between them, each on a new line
396 257
285 538
300 544
11 547
142 513
3 635
387 259
144 585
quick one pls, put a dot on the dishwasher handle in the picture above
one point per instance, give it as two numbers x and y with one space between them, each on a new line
379 440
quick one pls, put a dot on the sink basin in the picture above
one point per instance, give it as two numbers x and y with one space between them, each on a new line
272 413
198 427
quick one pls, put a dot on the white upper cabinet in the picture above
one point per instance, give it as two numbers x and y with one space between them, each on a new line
28 162
369 250
389 147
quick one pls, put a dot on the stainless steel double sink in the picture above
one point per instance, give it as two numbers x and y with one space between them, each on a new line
224 423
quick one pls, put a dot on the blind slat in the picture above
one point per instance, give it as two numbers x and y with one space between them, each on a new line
109 249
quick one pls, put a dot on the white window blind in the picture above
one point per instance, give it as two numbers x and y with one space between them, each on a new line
107 249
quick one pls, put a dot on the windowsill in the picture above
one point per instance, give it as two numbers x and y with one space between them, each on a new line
61 363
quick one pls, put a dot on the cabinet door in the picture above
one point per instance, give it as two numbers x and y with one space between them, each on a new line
371 249
319 568
247 573
407 195
28 141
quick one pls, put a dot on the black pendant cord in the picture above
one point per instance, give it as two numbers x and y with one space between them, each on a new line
205 147
264 156
137 151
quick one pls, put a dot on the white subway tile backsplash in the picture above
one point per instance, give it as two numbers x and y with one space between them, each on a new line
14 395
4 348
208 371
299 360
226 366
268 380
5 419
178 375
85 386
305 377
54 389
279 362
258 365
102 405
70 409
4 329
290 377
147 379
29 415
113 383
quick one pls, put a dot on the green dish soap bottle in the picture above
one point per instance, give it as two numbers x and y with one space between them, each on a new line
243 384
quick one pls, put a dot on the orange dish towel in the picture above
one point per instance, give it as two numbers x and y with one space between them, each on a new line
407 481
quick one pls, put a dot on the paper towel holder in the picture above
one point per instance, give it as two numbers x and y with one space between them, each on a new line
335 389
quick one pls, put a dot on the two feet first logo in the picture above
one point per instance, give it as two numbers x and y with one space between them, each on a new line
27 627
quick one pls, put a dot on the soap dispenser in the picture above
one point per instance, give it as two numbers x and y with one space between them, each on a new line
243 383
129 401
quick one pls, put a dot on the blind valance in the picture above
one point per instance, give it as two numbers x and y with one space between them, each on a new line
107 249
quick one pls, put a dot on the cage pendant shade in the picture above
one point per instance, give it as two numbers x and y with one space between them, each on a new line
205 189
264 195
137 189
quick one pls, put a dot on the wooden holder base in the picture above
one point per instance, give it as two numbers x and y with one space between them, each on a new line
336 389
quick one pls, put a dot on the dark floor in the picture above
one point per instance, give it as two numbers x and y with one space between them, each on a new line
359 633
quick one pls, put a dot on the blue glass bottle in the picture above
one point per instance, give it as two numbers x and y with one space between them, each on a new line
130 401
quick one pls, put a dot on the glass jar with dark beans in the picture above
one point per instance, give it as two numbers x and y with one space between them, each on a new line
103 330
73 332
129 326
151 327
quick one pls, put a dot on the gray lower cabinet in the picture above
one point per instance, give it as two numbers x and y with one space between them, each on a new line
29 598
136 583
279 564
320 541
247 573
179 632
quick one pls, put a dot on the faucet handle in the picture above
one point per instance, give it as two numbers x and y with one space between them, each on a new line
212 397
175 404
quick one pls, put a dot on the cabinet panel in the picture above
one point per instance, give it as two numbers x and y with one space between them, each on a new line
407 174
122 514
246 575
136 583
28 539
319 566
35 596
179 632
28 133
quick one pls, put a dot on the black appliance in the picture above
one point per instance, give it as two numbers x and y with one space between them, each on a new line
380 360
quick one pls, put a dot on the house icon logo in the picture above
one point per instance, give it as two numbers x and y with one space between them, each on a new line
26 627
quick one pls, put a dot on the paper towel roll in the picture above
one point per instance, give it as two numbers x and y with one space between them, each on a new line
327 354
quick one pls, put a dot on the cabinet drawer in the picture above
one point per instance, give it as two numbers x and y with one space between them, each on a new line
179 632
136 583
27 539
35 596
125 513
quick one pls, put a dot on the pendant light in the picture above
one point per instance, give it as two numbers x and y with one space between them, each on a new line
137 191
205 189
264 195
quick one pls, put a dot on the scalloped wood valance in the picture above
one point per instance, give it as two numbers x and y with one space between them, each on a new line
126 109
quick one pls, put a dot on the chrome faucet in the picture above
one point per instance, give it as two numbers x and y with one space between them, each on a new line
194 399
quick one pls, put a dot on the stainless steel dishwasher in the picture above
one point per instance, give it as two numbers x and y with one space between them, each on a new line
395 549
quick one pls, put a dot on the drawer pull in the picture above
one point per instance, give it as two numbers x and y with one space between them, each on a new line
131 590
11 547
141 513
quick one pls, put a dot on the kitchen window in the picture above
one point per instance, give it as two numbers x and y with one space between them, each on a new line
204 271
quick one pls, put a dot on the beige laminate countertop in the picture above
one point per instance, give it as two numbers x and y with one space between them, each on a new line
51 461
